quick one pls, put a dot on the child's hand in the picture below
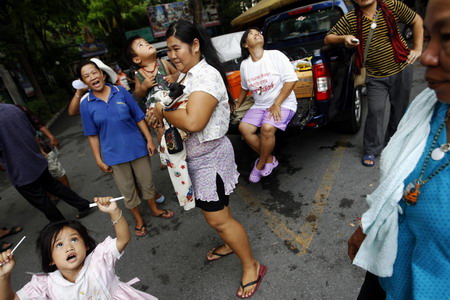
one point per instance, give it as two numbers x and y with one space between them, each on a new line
171 78
105 205
148 116
149 82
7 263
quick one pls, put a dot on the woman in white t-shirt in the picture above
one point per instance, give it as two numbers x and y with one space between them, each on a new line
270 77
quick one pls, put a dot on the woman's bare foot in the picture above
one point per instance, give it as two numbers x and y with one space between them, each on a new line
219 252
251 278
156 211
163 213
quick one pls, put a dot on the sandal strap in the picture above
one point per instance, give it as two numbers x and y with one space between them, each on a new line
139 229
219 254
165 212
250 283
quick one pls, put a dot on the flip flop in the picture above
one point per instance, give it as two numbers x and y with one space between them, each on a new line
268 167
166 212
4 246
261 273
369 157
138 231
12 230
220 255
255 174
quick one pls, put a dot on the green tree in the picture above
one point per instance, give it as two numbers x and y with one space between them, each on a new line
36 33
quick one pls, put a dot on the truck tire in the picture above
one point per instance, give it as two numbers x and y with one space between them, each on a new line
353 121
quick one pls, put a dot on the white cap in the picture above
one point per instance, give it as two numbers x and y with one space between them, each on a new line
78 84
111 74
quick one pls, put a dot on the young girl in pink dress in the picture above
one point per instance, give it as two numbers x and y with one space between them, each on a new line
76 267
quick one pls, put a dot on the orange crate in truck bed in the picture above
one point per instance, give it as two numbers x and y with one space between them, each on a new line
304 88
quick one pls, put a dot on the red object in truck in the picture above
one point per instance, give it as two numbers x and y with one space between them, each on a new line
322 82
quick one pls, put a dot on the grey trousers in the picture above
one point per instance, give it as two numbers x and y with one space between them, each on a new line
396 89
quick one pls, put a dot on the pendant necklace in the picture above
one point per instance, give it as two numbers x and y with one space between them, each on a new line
440 152
373 25
412 190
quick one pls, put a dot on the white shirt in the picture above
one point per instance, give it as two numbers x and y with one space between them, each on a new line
265 79
205 78
96 280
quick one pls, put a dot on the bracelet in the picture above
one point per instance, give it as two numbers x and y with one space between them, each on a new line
115 222
77 96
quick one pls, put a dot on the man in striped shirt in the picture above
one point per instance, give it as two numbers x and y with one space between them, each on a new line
388 73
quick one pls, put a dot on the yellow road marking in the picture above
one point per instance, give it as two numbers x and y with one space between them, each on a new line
300 243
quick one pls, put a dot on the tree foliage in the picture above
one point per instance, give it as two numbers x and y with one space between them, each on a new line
40 26
44 35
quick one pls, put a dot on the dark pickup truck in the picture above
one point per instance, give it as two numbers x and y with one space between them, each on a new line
299 34
325 91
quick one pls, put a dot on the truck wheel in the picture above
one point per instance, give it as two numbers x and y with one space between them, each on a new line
354 115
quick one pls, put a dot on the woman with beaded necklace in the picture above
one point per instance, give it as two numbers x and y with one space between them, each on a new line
405 235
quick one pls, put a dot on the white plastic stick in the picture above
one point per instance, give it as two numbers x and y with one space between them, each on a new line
18 244
112 200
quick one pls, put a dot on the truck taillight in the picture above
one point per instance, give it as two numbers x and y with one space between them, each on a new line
322 82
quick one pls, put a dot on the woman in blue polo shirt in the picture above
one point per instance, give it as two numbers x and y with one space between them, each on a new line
120 141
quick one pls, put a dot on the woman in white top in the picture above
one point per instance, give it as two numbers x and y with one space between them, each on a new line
210 155
270 77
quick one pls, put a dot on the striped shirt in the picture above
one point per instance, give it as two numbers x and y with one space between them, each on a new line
380 58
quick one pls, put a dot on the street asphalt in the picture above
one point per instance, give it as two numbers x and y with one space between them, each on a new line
298 220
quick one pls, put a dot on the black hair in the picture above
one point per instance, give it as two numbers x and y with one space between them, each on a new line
355 5
85 63
48 234
244 51
186 32
128 50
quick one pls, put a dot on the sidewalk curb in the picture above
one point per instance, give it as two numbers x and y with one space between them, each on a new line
55 117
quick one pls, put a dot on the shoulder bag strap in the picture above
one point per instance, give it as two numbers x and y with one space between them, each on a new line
369 37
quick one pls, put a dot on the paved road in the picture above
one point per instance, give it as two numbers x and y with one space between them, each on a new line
298 220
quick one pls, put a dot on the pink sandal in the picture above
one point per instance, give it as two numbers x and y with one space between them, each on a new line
268 167
255 174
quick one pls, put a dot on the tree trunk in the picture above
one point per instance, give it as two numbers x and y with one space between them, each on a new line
23 58
11 86
196 9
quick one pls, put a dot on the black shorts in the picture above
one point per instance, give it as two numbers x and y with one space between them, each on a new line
371 288
211 206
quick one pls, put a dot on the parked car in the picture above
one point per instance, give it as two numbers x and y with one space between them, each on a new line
325 91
